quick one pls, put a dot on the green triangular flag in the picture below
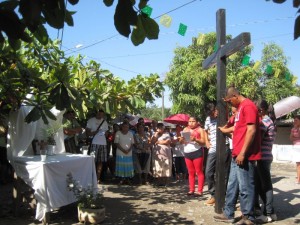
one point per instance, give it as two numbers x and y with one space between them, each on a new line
287 76
246 60
269 70
182 29
216 47
165 20
147 10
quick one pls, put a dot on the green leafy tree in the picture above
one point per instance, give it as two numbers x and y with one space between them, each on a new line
154 112
41 76
276 81
192 87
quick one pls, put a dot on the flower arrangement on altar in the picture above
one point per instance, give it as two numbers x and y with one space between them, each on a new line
51 131
89 197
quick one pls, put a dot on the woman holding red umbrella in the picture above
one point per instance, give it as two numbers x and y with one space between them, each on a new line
193 139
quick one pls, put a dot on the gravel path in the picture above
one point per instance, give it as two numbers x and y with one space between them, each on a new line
132 205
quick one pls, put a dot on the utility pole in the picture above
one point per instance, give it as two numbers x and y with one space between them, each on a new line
162 106
162 78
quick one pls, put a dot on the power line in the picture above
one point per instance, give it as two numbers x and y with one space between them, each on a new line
117 67
194 30
88 46
63 29
133 55
176 8
152 53
274 36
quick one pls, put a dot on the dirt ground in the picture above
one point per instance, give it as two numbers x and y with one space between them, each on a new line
131 205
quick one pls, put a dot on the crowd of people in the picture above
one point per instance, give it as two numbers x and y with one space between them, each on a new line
189 153
153 153
164 154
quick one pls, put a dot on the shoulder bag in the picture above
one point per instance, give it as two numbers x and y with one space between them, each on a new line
91 140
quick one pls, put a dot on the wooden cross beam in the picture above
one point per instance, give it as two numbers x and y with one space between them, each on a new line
239 42
219 58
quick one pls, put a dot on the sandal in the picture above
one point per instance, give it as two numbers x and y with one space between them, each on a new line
198 194
190 193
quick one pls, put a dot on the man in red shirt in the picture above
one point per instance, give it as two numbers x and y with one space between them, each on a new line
246 150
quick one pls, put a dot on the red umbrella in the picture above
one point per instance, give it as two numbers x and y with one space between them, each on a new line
181 119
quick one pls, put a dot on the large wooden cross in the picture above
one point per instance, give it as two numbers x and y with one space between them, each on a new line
219 58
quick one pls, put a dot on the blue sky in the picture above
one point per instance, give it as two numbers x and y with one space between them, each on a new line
266 21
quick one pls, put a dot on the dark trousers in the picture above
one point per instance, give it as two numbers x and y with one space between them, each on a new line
70 145
228 158
210 171
6 170
263 186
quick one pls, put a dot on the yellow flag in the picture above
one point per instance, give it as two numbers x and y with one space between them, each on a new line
165 20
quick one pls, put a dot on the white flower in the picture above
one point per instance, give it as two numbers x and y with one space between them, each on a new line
89 197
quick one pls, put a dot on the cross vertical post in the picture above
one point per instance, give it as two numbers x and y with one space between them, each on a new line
221 86
218 58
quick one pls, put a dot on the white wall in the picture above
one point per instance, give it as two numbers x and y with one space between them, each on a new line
286 153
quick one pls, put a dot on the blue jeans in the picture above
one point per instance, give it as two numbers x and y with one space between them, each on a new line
240 183
264 187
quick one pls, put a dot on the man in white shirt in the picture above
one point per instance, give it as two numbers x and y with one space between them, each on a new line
210 127
97 128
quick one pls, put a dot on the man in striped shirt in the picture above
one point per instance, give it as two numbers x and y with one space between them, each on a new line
263 182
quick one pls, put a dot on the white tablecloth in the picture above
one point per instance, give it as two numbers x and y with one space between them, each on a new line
48 179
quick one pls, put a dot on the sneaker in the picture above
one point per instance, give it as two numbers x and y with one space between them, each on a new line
272 217
210 202
262 219
267 219
223 218
245 221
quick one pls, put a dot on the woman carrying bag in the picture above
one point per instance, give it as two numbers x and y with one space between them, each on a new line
97 128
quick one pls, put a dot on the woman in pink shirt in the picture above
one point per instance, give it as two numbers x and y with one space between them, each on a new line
193 153
295 138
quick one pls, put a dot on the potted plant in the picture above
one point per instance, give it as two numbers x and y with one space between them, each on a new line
50 133
90 201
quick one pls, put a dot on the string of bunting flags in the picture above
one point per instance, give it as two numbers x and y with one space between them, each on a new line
166 21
